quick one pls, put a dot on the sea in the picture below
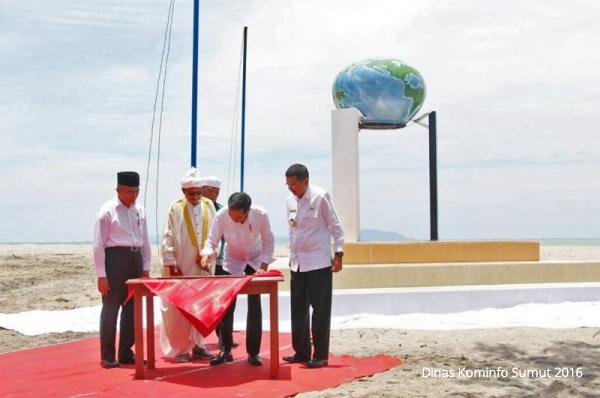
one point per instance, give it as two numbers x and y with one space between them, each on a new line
282 241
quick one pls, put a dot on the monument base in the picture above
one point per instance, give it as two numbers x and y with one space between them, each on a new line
376 265
440 252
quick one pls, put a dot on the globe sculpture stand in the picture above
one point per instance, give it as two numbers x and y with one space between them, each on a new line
345 125
372 94
387 94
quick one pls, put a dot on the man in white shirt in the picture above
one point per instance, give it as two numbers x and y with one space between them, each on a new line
211 187
121 252
249 245
313 223
185 232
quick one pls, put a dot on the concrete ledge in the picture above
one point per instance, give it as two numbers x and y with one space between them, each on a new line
456 274
440 252
434 300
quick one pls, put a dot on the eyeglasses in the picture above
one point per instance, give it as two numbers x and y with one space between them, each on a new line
129 190
193 193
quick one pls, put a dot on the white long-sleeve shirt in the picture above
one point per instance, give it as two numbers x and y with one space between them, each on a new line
313 223
248 243
118 225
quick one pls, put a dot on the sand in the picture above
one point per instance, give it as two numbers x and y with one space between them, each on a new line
504 362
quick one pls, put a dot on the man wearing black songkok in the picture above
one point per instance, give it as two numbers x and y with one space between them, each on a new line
121 252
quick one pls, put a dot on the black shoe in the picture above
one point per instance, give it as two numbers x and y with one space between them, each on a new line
254 360
201 353
127 361
316 363
109 363
294 358
224 356
182 358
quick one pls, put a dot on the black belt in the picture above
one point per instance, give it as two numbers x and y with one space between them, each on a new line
133 249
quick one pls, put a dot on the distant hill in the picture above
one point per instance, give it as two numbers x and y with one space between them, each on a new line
376 235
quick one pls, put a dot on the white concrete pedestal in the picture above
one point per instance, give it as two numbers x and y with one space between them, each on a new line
345 170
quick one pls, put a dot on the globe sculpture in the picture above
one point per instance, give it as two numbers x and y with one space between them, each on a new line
385 91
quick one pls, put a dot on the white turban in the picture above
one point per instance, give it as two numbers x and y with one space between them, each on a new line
191 179
211 181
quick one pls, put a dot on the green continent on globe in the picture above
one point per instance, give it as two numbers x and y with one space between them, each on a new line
383 90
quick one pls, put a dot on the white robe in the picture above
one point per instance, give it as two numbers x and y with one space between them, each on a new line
177 335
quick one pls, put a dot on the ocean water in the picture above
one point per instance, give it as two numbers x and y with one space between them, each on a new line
282 241
570 242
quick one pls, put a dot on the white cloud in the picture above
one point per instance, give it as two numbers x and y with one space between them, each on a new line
514 85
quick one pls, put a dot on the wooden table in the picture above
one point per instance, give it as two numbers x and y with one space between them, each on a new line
257 285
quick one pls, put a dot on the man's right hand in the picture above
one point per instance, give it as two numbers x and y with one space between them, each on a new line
103 286
205 263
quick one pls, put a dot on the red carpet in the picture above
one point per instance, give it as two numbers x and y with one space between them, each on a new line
73 369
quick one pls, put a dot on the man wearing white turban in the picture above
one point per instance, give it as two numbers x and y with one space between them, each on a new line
184 235
211 187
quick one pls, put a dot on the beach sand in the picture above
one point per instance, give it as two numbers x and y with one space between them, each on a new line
61 276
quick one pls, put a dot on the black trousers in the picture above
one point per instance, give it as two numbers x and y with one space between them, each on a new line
253 321
311 289
121 264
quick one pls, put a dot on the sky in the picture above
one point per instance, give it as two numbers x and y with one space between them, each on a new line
515 86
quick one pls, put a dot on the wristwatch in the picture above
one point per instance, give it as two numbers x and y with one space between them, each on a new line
339 254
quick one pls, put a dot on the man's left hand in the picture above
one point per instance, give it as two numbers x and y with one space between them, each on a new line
336 264
263 268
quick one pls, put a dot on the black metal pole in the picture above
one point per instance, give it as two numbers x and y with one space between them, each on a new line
243 144
433 205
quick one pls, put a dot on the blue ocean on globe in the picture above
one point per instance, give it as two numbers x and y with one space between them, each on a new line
385 91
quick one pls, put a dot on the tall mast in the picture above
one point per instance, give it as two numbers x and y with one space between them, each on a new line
195 82
243 146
